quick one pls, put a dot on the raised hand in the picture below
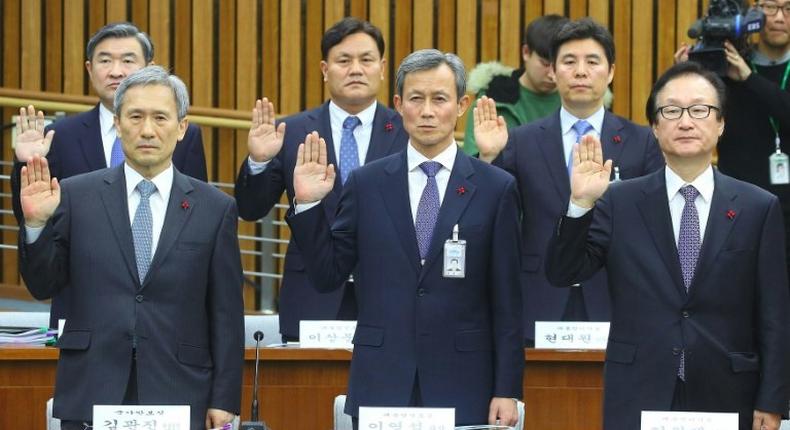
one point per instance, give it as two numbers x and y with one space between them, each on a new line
490 129
39 194
682 54
264 140
590 174
30 138
737 68
313 178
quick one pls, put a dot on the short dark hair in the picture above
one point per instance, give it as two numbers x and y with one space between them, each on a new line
540 32
346 27
429 59
120 30
585 28
683 69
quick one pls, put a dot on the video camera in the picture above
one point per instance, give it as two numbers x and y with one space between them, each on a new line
726 20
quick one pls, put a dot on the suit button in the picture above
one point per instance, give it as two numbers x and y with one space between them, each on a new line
421 292
139 298
675 351
685 314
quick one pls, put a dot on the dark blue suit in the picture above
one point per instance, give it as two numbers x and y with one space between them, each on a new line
461 337
733 322
77 148
257 194
187 314
535 156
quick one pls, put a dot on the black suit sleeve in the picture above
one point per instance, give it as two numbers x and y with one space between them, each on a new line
191 158
257 194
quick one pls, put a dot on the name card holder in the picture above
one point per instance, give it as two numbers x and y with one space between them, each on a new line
406 418
148 417
327 334
668 420
571 335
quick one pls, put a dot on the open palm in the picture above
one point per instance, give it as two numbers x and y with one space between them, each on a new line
39 194
490 129
30 138
590 174
313 177
265 139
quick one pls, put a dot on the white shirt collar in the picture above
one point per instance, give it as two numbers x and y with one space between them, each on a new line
163 181
567 120
446 158
703 183
761 60
106 121
338 115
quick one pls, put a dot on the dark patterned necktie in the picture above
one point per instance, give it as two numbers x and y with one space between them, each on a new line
349 153
142 229
428 208
688 250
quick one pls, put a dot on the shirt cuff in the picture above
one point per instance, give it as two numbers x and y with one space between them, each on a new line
303 207
576 211
256 167
32 234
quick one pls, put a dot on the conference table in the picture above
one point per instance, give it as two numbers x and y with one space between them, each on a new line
562 389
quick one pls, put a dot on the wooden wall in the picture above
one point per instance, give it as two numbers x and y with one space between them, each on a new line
231 51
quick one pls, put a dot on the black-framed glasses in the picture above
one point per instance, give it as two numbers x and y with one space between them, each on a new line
771 9
695 111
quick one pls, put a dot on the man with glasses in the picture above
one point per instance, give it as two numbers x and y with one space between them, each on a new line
695 263
757 137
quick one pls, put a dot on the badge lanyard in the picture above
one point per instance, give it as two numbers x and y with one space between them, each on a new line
778 161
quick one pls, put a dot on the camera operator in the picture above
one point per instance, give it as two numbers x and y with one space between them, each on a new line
756 140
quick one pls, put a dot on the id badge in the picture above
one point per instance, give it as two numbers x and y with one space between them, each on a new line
454 257
778 163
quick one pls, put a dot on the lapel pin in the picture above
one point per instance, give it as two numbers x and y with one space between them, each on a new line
388 126
184 205
616 138
460 190
731 214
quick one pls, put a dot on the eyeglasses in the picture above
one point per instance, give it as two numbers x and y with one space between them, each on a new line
695 111
771 9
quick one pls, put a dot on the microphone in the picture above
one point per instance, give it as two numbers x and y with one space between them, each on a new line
254 423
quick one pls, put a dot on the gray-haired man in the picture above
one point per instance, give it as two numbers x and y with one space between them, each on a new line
149 259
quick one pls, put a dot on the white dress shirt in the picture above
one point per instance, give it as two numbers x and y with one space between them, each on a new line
158 202
108 132
567 120
362 134
703 183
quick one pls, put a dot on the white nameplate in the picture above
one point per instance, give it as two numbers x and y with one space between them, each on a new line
571 335
326 334
665 420
406 418
148 417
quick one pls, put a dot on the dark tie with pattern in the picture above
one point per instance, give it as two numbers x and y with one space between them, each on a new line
349 153
428 208
688 249
142 228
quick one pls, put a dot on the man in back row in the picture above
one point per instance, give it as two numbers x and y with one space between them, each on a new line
357 130
538 155
89 141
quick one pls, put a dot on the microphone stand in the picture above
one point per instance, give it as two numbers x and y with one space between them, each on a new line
254 423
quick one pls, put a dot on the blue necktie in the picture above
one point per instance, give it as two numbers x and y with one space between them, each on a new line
116 155
349 155
581 128
142 229
428 208
688 249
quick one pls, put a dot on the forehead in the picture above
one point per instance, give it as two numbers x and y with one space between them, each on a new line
581 48
438 79
119 46
686 89
355 43
154 97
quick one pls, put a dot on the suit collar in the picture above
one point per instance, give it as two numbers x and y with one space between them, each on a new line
395 189
550 143
90 140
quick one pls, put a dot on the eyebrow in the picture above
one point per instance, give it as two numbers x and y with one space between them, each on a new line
107 54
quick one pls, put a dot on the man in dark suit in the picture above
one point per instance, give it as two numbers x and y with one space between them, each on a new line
357 130
538 154
89 141
149 259
426 335
696 269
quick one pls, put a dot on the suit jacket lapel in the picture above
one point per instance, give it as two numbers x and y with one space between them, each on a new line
612 126
116 204
395 192
550 144
655 213
176 217
717 231
91 143
453 206
382 136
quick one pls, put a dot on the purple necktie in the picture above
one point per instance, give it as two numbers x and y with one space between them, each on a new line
581 127
428 209
688 249
116 155
349 155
